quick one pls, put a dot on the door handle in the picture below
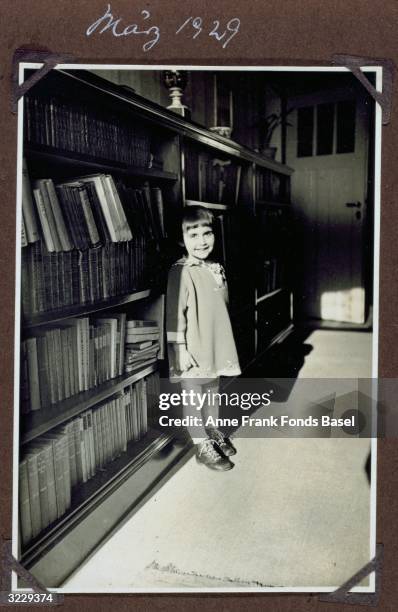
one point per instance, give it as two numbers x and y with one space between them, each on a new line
353 204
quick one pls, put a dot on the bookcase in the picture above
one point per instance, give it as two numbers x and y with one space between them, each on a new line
105 174
274 263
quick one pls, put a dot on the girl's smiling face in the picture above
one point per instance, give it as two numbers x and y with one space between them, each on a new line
199 241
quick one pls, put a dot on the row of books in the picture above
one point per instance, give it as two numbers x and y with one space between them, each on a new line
272 186
81 354
80 128
50 281
142 343
219 180
88 211
69 455
210 179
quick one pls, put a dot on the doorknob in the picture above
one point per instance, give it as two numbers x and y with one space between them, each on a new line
353 204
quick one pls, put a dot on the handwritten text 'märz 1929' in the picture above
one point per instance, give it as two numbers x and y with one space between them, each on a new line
194 26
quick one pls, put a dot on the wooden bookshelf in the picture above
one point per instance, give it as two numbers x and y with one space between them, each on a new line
181 149
86 163
80 310
38 422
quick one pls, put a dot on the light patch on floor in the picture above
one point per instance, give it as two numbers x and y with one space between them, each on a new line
338 354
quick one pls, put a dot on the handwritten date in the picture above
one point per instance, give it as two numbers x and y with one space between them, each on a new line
225 36
151 33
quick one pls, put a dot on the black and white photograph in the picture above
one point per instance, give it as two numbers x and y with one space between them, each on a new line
197 328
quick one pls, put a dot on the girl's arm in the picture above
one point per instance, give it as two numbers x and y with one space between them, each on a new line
176 321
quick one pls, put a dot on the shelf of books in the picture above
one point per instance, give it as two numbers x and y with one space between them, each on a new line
58 461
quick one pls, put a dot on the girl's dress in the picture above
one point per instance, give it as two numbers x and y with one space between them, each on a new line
197 315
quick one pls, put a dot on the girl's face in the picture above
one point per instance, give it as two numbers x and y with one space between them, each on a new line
199 241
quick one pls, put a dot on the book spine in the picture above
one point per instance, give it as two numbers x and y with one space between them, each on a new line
112 430
66 469
34 494
99 437
42 360
77 430
117 426
40 185
28 209
59 476
50 476
61 279
59 364
54 279
69 431
65 201
75 277
33 371
24 504
65 241
124 226
90 425
84 282
122 417
95 422
43 492
106 436
82 355
88 216
87 453
52 378
65 362
45 226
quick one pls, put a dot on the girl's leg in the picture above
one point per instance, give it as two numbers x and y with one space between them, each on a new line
197 433
211 408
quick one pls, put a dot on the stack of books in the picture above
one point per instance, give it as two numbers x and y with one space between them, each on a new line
72 454
142 343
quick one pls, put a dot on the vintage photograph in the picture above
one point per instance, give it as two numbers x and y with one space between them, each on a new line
197 282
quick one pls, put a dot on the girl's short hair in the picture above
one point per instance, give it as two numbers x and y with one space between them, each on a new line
193 216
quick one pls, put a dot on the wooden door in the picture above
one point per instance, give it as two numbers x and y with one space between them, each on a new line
327 145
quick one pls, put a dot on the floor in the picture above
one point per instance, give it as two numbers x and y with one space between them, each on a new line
292 513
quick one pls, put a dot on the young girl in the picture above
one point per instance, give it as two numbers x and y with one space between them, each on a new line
199 332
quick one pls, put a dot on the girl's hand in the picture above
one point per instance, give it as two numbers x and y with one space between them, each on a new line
184 359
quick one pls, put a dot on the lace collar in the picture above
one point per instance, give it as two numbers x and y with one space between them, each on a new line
215 268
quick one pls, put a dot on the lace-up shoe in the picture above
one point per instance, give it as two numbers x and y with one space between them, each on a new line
223 442
208 454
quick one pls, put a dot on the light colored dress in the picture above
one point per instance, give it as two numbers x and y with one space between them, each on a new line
197 315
